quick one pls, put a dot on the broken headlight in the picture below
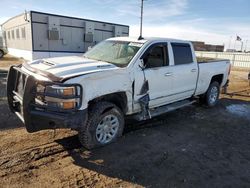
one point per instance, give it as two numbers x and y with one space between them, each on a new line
60 97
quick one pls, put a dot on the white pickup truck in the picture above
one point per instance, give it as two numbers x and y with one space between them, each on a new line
117 78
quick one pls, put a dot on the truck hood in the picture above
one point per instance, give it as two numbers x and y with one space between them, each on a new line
67 67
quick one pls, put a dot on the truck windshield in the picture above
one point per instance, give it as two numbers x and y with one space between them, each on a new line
118 53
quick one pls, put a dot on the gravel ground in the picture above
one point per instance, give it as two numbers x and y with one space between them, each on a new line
190 147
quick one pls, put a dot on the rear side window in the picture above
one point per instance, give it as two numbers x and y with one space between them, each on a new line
182 53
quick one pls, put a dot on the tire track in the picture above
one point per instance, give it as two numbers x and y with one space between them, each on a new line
37 156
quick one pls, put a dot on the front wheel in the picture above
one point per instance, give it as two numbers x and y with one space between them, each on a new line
104 125
212 94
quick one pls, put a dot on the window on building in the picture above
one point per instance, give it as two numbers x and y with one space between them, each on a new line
182 53
17 34
4 34
23 32
9 35
13 34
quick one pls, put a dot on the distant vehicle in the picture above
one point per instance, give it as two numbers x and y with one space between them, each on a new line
230 50
118 77
3 49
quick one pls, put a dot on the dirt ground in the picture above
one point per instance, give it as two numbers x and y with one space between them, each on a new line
190 147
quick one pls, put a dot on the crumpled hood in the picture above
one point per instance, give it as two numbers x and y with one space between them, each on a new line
70 66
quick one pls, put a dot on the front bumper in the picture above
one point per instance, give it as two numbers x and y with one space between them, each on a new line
21 92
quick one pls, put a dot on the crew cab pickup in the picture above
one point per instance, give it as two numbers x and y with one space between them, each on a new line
117 78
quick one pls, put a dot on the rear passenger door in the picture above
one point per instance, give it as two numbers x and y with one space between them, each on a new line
185 71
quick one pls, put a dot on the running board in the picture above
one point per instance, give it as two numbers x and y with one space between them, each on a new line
164 109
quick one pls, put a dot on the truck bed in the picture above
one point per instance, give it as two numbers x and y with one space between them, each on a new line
208 60
209 67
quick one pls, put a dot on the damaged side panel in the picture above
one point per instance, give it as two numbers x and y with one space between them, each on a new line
94 87
144 101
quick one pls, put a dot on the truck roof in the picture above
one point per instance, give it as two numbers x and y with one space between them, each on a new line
147 39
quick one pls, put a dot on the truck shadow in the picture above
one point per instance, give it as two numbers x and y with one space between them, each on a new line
169 150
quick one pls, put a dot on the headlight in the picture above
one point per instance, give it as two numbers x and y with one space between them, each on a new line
40 88
61 91
59 97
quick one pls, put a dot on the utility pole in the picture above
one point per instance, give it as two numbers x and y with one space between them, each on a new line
241 48
246 46
229 45
234 45
140 37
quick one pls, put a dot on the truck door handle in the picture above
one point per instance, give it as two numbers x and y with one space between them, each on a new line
193 70
168 74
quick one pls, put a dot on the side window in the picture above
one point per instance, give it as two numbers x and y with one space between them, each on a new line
23 32
13 34
9 35
182 53
156 56
17 34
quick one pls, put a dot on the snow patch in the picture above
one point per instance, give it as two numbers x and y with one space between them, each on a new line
242 110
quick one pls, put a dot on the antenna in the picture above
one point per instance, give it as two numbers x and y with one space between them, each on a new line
140 37
26 16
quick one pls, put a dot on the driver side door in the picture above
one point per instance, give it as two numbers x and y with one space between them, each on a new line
159 74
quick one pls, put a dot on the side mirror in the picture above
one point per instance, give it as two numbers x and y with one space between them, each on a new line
142 64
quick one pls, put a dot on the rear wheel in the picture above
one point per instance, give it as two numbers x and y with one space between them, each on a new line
104 125
212 95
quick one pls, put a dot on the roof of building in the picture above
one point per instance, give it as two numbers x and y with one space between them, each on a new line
58 15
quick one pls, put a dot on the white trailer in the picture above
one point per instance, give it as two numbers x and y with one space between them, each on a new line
34 35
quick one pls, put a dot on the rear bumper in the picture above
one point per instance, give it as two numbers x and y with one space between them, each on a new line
22 103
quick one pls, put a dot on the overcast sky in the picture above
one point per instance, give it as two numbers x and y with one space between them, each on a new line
212 21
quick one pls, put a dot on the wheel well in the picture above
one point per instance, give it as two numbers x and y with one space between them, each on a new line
218 78
119 99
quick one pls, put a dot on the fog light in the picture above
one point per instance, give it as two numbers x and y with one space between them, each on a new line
68 105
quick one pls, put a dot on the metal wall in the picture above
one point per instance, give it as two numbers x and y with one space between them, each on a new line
236 59
55 33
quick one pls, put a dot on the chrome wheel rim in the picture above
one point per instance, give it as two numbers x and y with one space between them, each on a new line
107 129
213 95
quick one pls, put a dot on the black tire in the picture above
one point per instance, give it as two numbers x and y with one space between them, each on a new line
211 97
97 113
1 53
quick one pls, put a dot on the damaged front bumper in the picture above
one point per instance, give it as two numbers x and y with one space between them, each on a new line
22 99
